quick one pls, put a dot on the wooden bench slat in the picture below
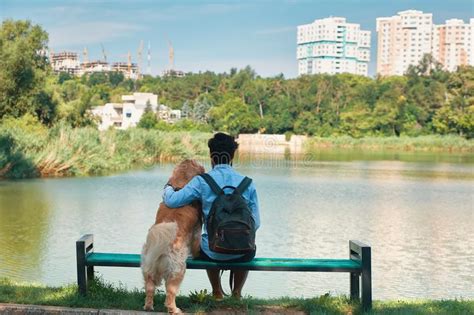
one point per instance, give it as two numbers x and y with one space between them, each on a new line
274 264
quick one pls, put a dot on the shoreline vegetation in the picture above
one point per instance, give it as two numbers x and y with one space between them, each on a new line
106 295
428 143
28 149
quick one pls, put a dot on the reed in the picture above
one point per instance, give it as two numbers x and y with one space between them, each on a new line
449 143
66 151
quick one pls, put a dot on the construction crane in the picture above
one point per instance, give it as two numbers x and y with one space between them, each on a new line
103 53
139 59
171 55
148 57
85 55
129 64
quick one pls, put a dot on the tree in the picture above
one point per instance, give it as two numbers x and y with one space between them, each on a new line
23 68
234 117
115 78
148 119
201 110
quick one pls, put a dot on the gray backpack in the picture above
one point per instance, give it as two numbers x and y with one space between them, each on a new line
230 225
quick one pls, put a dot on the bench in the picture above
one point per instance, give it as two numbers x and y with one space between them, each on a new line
358 266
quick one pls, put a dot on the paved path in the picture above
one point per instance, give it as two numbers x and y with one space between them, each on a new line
23 309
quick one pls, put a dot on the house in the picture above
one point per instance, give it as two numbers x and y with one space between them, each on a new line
128 113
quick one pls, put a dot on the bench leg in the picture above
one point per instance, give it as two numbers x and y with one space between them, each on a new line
355 286
81 268
366 279
90 273
84 245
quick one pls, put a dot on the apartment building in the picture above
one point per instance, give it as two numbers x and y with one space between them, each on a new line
453 43
402 41
332 45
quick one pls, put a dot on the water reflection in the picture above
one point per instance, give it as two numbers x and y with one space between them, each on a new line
25 214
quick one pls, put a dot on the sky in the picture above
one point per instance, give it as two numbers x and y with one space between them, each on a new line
208 35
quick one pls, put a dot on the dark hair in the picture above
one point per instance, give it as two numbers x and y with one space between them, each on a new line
222 148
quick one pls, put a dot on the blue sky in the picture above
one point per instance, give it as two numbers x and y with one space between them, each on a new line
208 35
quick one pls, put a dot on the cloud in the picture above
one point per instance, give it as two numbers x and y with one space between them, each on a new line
278 30
89 33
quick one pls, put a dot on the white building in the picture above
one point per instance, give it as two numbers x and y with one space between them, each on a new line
128 113
332 45
453 43
94 66
402 41
65 61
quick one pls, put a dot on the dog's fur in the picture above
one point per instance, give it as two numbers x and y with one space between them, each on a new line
175 234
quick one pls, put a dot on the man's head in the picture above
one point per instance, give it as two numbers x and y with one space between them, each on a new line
222 148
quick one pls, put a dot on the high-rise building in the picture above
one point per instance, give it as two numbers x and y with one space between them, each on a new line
332 45
402 40
453 43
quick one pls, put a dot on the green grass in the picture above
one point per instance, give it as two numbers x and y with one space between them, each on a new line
421 143
104 295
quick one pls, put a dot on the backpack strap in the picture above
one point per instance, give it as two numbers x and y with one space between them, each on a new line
244 184
212 183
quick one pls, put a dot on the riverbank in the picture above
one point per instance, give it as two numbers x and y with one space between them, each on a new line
29 149
64 151
431 143
107 296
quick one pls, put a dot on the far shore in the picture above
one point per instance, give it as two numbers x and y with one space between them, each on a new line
65 151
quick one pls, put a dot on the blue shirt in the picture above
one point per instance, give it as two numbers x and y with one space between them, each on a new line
198 189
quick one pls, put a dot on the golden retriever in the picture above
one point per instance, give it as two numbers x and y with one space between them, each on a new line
175 234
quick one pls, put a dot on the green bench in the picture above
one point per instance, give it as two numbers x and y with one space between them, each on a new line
358 266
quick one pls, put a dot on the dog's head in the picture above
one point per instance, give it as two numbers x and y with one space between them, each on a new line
184 172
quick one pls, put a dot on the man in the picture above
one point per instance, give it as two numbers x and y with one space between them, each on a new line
221 148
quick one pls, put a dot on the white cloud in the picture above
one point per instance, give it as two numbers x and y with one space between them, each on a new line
89 33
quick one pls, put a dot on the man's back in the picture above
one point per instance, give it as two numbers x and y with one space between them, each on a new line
198 189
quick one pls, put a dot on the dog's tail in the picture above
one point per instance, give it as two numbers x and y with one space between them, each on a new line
158 243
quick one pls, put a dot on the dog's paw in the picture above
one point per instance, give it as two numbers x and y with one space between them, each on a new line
148 307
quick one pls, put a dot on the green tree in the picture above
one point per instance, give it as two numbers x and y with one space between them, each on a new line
234 117
23 68
148 119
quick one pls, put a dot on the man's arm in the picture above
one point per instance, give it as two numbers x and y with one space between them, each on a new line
184 196
253 204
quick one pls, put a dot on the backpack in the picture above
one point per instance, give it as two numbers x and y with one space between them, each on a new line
230 225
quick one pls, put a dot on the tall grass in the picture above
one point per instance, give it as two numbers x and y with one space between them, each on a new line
421 143
66 151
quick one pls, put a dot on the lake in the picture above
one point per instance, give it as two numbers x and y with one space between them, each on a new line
414 209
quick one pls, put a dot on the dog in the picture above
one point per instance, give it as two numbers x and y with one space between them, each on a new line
175 234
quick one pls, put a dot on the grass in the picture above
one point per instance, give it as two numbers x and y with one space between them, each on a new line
105 295
422 143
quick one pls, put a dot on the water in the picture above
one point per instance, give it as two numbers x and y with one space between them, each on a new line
415 210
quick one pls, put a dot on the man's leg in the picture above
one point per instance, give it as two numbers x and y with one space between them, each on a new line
215 280
239 280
